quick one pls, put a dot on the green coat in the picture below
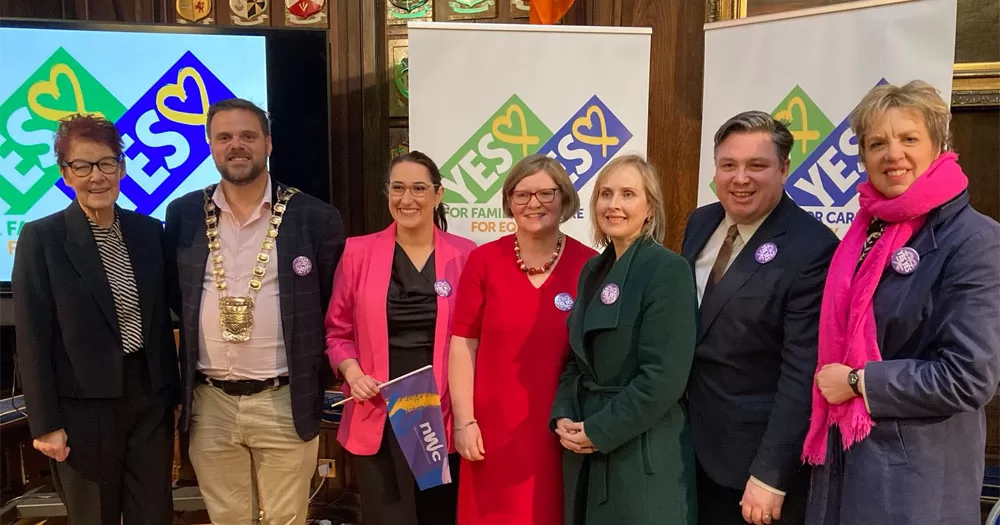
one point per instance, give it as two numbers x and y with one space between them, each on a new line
625 376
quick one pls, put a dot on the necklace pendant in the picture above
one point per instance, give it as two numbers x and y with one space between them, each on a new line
236 318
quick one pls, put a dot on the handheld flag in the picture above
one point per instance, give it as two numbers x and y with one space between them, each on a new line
414 407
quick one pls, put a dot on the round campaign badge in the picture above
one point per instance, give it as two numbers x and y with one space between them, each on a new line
302 266
905 260
610 293
442 288
766 252
564 302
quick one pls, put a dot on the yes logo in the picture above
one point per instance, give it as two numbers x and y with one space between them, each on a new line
28 118
825 170
164 132
477 170
587 141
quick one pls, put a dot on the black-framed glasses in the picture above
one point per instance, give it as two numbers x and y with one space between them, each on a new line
418 190
544 196
82 168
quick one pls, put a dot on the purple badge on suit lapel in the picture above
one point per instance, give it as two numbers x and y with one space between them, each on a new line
302 266
610 293
564 302
905 260
766 252
442 288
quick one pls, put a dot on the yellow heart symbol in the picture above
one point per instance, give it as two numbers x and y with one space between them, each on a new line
523 138
49 87
602 140
805 134
177 90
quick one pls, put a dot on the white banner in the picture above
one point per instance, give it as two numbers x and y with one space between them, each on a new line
811 68
483 96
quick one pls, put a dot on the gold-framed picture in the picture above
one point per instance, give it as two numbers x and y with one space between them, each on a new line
399 78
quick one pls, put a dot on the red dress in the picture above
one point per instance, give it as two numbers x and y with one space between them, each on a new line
523 347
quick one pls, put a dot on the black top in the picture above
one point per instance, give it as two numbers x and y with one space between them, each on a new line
410 311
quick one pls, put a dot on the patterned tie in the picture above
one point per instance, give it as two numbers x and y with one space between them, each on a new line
719 268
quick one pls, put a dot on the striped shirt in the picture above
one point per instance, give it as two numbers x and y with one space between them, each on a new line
118 268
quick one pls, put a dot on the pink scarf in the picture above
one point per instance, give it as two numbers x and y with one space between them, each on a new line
847 331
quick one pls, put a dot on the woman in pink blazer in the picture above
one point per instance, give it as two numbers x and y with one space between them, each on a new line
390 314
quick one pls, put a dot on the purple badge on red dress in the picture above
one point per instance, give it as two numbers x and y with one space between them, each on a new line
765 252
905 260
302 266
610 293
442 288
564 302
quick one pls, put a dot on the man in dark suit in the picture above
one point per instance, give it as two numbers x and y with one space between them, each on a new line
760 263
94 344
253 264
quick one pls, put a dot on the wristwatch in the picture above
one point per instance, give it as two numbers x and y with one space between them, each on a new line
852 379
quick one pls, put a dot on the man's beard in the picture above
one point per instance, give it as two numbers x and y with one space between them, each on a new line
256 170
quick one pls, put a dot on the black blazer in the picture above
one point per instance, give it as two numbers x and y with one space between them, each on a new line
68 339
309 227
750 390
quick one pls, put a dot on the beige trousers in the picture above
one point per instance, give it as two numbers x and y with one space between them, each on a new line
230 435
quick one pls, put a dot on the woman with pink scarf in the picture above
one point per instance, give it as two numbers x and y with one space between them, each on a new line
909 339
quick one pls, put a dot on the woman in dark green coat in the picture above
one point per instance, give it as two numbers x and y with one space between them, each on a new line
628 458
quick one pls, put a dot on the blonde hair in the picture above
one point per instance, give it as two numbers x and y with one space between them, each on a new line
531 165
654 229
916 95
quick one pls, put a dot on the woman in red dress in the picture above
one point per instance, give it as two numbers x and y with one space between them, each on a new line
508 348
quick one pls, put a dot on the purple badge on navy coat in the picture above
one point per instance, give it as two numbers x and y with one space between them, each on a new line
302 266
610 293
442 288
765 252
905 260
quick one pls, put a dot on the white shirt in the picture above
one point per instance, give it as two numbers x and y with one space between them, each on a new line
706 258
263 356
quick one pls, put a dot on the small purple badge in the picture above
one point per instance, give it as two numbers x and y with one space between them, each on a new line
564 302
442 288
905 260
302 266
765 252
609 294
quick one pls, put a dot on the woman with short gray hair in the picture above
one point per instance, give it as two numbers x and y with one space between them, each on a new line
909 350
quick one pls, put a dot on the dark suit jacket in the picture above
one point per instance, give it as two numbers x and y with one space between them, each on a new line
939 337
750 390
68 339
309 228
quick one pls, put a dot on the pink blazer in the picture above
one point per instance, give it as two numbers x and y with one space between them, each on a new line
356 326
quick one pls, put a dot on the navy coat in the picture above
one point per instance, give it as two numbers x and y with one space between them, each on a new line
939 335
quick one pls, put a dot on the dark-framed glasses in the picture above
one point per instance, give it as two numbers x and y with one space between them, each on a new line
83 168
544 196
418 190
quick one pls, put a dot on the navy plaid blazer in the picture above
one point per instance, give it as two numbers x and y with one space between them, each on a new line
309 227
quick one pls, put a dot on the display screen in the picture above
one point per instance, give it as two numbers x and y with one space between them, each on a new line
156 87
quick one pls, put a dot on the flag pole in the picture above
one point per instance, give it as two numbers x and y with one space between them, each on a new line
387 383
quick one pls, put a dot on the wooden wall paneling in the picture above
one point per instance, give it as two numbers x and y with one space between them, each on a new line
375 106
345 113
675 92
32 9
976 139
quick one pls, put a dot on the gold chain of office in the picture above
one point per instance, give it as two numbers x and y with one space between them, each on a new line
236 312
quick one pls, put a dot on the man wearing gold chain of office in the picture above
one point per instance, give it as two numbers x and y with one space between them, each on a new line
252 269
